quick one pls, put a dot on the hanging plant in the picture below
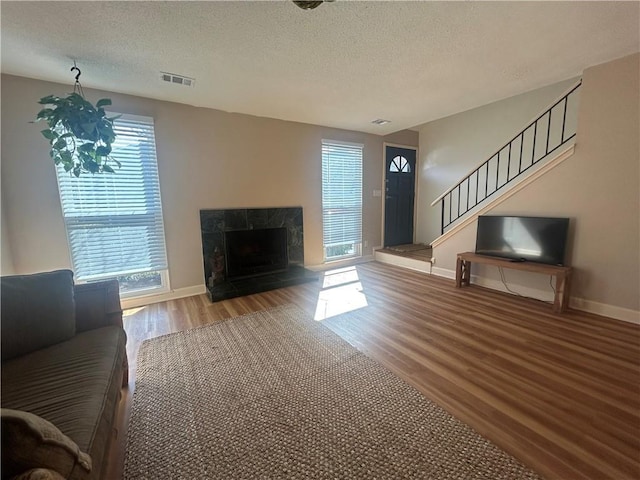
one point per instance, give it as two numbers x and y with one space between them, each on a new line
79 134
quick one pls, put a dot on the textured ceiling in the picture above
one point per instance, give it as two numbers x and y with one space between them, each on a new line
342 65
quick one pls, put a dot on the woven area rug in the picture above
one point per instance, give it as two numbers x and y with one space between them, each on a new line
275 395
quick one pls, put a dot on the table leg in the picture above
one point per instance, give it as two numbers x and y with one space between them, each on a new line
563 287
557 306
566 292
463 273
466 273
458 272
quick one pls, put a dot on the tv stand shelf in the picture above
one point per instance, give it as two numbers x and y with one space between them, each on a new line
561 274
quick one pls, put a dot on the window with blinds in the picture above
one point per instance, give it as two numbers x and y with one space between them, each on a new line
114 220
341 200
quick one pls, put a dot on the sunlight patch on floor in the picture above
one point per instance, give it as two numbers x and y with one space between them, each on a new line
132 311
341 292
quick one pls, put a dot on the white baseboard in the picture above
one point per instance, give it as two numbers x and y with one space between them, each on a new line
163 297
497 285
323 267
443 272
611 311
619 313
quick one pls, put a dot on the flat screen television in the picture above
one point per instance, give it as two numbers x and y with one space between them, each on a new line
532 239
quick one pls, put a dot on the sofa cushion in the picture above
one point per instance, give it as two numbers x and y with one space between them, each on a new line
36 311
29 441
75 385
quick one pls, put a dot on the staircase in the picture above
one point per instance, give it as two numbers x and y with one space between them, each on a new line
528 150
542 144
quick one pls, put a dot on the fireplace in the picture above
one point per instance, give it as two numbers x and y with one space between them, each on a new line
251 250
255 252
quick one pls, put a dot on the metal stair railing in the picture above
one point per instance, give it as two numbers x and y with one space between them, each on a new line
540 138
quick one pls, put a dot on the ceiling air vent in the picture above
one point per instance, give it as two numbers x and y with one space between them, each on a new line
380 121
178 79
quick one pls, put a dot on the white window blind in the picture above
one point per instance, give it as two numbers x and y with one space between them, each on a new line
114 220
341 199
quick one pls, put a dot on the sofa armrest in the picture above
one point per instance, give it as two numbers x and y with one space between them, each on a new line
97 305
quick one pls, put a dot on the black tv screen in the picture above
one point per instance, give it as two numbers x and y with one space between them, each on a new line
534 239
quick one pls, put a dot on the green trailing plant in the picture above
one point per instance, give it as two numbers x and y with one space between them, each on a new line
79 134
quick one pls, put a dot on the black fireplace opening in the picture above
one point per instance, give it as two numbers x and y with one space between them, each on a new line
255 252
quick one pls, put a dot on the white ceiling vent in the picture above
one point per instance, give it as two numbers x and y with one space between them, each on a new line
380 121
178 79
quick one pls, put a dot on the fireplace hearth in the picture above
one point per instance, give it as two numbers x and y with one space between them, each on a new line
249 251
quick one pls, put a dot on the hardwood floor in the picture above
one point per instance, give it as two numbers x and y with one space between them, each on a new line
560 392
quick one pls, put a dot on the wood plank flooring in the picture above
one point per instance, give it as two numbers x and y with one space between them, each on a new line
560 392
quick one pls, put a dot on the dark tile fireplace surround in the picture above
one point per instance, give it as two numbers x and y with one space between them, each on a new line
251 225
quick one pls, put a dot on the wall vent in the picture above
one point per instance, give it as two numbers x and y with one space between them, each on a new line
177 79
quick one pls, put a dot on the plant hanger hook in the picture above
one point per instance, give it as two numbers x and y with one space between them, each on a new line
77 74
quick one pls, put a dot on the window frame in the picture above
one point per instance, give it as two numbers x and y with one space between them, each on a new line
356 245
164 286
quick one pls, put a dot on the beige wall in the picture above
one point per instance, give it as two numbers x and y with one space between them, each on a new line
206 158
598 187
6 261
453 146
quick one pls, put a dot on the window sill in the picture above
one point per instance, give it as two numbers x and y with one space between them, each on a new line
141 301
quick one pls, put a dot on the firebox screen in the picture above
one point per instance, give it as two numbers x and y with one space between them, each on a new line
255 252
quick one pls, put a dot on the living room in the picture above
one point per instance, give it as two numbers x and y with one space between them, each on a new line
212 158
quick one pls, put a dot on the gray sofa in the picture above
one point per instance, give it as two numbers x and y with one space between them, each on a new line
64 363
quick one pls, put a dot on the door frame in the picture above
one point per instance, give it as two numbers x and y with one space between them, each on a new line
384 183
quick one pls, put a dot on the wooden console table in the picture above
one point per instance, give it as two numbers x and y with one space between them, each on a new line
561 274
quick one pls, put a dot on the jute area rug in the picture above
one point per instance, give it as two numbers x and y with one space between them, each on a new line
275 395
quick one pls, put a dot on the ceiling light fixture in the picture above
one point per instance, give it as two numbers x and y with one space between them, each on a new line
310 5
380 121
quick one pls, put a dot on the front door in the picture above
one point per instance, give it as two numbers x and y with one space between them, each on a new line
400 184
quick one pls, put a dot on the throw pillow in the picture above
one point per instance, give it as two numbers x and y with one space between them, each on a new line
31 442
37 311
39 474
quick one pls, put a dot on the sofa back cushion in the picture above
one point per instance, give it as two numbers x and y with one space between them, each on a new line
36 311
